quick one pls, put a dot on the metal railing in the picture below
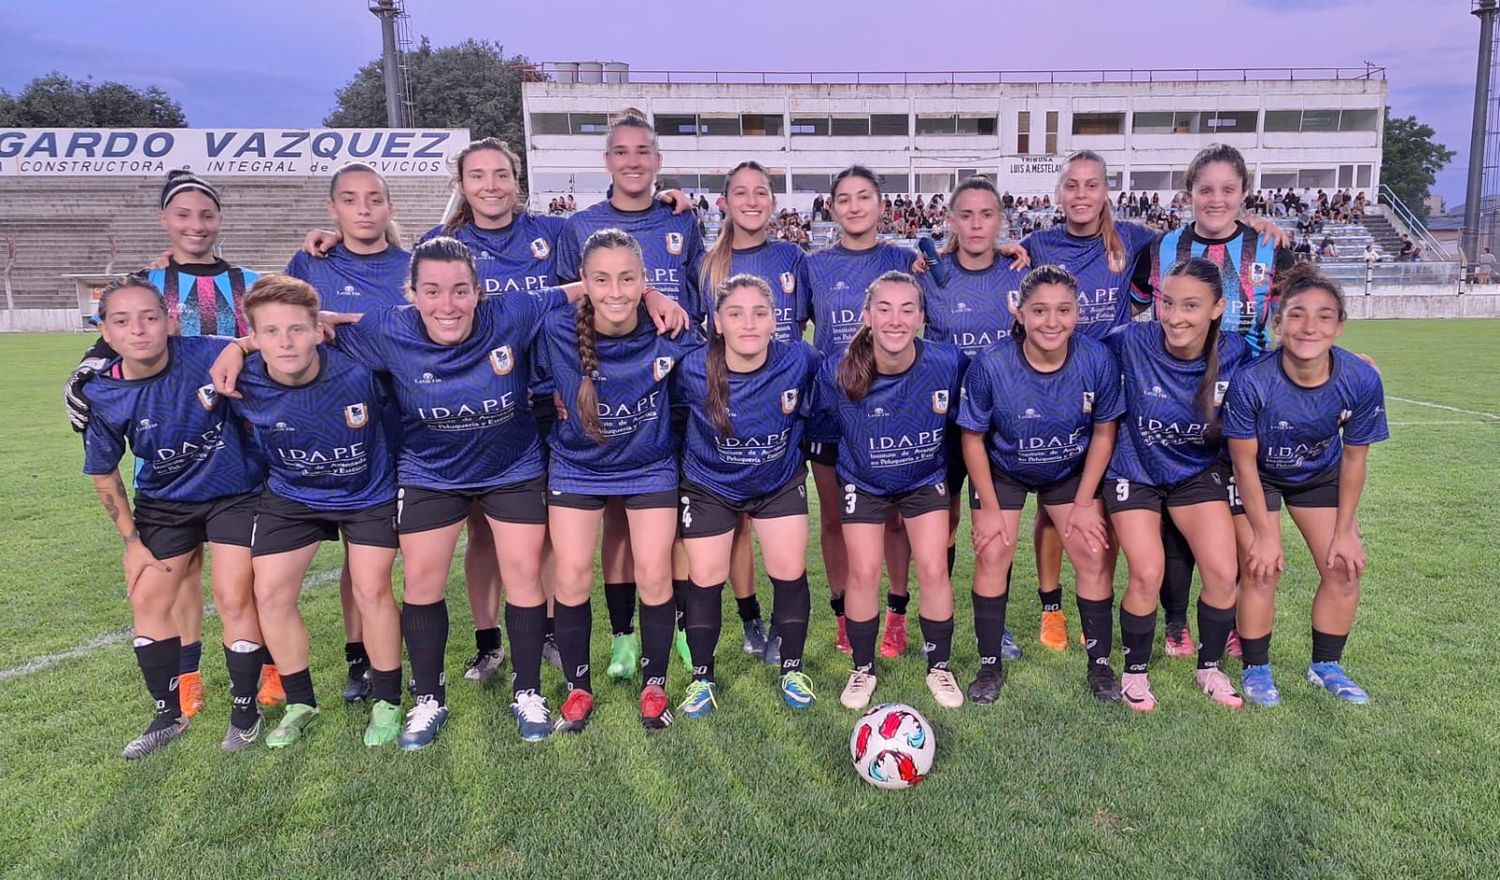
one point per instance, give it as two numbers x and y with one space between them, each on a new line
551 70
1431 247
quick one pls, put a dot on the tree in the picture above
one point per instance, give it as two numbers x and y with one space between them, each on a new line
1410 160
473 85
55 101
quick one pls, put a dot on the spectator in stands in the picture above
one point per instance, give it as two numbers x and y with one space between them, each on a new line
1302 249
702 205
1372 254
1486 266
1326 249
1008 201
1407 249
1359 204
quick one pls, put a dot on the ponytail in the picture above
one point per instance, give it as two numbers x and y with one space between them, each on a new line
716 400
1114 247
856 370
587 400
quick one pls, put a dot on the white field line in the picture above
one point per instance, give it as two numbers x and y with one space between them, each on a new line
1444 406
1469 422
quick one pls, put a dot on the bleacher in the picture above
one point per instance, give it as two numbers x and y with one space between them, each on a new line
63 226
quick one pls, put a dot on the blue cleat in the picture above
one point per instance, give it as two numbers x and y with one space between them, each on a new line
1009 650
796 690
702 699
422 724
1330 676
1258 686
532 716
773 650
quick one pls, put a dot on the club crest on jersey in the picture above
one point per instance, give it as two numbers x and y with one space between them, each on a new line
674 243
940 402
1344 417
1220 390
540 249
207 396
1014 298
356 415
502 360
661 366
789 401
788 283
1257 273
1088 402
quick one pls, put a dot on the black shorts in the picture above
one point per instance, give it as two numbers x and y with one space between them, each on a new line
1319 490
826 454
283 525
864 507
420 509
643 501
172 528
1012 492
703 514
1210 484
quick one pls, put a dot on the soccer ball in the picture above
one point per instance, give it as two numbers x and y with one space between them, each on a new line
892 746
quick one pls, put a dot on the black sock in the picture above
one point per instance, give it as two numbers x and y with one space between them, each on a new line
1177 577
1137 633
791 605
679 602
1051 599
527 630
705 619
952 558
1327 648
487 641
837 604
299 687
425 629
1214 625
357 658
657 623
1098 628
620 600
244 660
938 638
862 639
574 623
159 666
989 627
1255 652
385 684
551 625
191 657
749 608
896 602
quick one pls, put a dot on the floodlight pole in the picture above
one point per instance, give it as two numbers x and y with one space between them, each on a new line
1485 10
395 108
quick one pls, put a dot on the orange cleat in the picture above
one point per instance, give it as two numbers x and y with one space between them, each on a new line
842 641
893 643
1054 634
272 694
190 692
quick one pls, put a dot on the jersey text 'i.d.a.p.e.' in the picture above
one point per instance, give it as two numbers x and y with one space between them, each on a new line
518 258
971 311
1104 295
671 248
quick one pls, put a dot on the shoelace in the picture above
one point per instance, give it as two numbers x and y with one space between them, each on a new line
532 708
945 681
422 715
480 656
698 691
798 682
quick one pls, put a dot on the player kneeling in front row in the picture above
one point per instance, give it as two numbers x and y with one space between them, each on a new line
745 394
317 413
197 479
1300 421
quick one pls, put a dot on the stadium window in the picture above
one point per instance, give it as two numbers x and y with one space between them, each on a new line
1346 176
719 126
1051 132
1320 120
676 124
778 181
761 124
549 123
850 126
944 123
1358 120
980 125
1097 123
1151 122
1150 180
1023 132
1116 180
588 123
809 125
713 183
1316 178
930 182
1230 121
894 182
811 183
1278 179
677 180
890 124
1362 176
1283 120
1185 122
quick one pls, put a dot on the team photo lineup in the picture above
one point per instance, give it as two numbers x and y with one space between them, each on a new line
552 396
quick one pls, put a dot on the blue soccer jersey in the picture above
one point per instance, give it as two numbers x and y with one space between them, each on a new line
639 452
891 440
354 283
763 450
1164 437
465 410
1302 431
972 311
186 445
783 266
840 278
206 299
519 258
1103 295
1038 426
671 248
324 443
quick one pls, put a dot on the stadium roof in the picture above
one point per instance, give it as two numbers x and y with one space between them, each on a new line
566 71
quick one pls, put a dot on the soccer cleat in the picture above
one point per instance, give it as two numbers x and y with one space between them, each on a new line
656 712
624 657
484 666
1135 691
272 695
385 724
684 653
945 689
358 687
423 723
237 739
1259 687
859 690
1232 645
152 740
755 638
1330 676
985 688
1009 650
702 699
1103 684
773 650
1219 688
893 643
796 690
1178 641
533 718
190 693
298 717
550 653
1054 633
841 641
573 717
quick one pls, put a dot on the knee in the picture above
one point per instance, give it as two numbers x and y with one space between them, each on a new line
932 573
864 574
1341 587
1147 576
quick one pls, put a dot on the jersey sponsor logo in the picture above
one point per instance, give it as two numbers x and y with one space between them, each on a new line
426 379
349 291
674 243
1155 391
789 401
281 428
1258 273
961 306
940 401
356 415
146 425
502 360
1221 389
876 413
788 283
1088 402
1030 413
207 397
661 367
540 248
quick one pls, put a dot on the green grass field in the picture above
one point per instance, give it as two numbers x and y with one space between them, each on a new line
1044 783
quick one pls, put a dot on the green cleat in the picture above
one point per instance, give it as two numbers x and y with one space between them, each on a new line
624 657
385 724
683 651
297 719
